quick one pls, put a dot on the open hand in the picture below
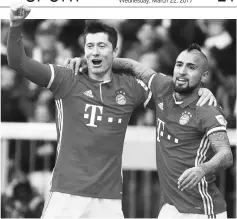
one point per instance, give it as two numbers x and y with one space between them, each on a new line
190 178
205 95
77 64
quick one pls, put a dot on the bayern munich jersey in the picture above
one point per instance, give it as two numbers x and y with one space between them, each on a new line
92 118
182 143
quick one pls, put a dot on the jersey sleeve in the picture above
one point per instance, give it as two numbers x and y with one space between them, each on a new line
141 92
210 119
158 83
61 81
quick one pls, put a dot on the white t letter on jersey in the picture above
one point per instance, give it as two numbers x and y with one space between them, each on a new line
159 122
93 113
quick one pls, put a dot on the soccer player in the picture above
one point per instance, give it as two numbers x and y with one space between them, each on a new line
192 143
93 111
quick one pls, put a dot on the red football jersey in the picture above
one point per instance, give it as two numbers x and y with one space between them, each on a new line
92 118
182 143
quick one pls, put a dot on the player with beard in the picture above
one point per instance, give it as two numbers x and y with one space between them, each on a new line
192 142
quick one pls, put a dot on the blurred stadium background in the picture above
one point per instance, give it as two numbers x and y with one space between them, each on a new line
28 133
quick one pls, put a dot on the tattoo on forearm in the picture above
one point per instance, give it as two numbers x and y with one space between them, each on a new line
223 157
127 65
122 65
133 67
219 136
218 140
219 162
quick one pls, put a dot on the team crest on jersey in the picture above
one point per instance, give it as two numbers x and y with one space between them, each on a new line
184 119
120 97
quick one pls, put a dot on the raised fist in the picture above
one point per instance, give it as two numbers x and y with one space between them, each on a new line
18 13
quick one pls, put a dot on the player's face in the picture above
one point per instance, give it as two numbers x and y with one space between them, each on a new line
99 53
188 71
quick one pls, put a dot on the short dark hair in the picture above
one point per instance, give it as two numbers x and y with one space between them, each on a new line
92 26
195 46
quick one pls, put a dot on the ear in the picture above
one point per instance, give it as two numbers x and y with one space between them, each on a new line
115 52
204 76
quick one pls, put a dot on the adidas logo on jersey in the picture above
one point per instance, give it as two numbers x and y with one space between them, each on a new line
161 105
89 93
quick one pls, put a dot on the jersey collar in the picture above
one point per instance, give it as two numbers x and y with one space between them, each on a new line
187 100
98 82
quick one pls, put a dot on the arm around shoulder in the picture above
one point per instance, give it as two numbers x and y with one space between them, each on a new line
134 68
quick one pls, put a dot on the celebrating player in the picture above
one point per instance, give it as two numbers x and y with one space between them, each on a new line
93 111
192 143
92 116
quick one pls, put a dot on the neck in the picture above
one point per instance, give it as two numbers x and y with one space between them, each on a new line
104 76
181 96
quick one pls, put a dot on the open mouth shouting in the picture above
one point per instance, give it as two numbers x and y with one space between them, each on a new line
96 62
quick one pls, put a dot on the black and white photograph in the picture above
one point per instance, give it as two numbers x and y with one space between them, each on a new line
117 118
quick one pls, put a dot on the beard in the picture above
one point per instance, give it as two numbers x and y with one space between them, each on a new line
185 90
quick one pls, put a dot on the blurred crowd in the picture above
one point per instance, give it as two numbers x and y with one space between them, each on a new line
21 200
153 43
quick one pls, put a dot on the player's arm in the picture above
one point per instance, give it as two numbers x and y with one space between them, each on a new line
142 93
223 156
209 120
34 71
145 74
220 161
133 67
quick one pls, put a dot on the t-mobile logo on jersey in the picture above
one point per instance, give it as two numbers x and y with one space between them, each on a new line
161 132
159 124
95 114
